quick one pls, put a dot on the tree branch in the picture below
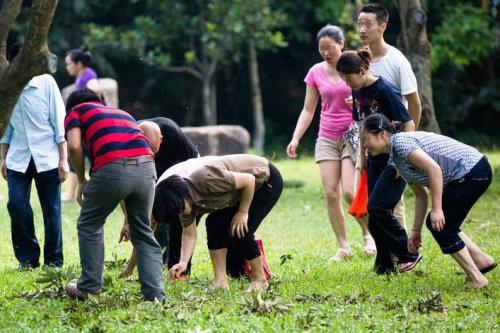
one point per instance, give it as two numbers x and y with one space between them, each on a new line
185 69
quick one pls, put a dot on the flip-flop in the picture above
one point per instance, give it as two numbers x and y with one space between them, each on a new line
411 266
489 268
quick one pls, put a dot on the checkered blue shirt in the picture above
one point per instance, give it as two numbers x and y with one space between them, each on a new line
456 159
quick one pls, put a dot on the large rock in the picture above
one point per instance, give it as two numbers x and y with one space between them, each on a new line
109 89
219 140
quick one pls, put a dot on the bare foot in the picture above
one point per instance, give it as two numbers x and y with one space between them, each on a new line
258 285
218 285
480 283
370 248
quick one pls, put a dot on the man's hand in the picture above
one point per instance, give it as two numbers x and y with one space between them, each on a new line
4 169
63 170
125 233
239 225
79 193
176 271
437 219
414 241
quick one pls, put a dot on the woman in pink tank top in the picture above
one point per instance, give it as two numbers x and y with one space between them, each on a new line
336 157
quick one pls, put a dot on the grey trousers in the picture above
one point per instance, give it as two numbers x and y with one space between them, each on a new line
109 185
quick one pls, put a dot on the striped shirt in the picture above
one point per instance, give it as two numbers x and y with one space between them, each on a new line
108 133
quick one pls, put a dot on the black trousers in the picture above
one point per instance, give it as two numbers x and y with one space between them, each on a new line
218 224
384 192
458 198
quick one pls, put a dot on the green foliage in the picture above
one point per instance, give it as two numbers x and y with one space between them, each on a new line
201 32
465 36
306 294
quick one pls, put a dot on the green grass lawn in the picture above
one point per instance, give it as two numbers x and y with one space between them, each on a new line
306 294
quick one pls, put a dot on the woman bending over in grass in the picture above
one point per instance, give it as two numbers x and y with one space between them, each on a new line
456 174
336 157
237 192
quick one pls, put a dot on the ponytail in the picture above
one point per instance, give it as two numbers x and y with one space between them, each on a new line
352 62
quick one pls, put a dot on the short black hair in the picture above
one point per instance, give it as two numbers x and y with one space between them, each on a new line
169 199
14 51
81 96
80 56
380 11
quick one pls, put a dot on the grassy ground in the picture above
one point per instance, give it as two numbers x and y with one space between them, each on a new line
307 293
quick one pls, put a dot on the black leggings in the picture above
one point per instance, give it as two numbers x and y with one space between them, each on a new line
218 223
458 198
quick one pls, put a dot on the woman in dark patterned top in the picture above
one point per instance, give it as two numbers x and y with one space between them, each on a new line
236 191
370 95
456 174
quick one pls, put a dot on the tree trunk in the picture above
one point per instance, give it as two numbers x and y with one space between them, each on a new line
207 103
414 43
213 103
34 58
258 114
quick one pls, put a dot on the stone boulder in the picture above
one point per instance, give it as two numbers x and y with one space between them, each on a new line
219 140
109 89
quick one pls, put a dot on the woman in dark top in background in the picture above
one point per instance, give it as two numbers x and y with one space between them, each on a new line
374 95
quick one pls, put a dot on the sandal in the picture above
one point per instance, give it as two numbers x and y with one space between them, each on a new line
408 266
341 255
370 247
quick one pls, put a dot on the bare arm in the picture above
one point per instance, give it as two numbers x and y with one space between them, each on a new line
424 162
414 107
188 242
409 126
305 118
4 148
74 137
63 161
421 199
246 183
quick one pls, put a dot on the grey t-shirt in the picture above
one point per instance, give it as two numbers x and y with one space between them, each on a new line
456 159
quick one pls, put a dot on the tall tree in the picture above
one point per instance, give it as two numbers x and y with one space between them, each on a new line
414 43
34 58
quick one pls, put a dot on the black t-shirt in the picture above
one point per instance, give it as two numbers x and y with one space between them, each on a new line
379 97
176 147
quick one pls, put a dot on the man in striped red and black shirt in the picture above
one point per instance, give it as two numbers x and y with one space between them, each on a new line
122 168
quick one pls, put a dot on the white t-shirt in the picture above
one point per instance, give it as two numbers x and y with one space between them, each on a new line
395 69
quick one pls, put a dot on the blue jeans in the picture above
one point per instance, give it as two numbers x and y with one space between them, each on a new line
458 198
384 192
48 186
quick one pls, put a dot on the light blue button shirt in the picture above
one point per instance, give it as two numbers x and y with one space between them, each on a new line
36 126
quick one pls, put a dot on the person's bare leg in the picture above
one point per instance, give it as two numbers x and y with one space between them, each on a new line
70 193
347 181
219 265
463 258
259 281
481 259
330 177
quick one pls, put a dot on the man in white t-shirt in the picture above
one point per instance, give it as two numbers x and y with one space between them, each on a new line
388 62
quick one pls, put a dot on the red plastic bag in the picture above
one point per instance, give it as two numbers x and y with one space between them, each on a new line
359 205
265 266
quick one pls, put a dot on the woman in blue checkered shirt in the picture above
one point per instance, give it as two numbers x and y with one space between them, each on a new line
456 175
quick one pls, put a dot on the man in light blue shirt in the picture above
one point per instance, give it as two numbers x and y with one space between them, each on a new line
34 147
